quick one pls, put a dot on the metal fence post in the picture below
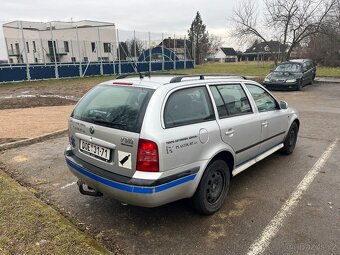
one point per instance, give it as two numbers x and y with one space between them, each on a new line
185 52
150 53
42 50
100 52
174 52
79 54
163 52
114 52
134 44
54 54
119 62
26 58
194 52
7 49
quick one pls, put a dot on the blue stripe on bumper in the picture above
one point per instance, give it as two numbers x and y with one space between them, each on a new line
129 188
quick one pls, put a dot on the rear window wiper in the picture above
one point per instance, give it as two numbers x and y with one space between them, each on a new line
109 123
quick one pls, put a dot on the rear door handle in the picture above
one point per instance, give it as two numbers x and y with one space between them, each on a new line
264 124
230 132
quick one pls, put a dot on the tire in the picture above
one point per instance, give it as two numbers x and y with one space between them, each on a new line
213 188
291 138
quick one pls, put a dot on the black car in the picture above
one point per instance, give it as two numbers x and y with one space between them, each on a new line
291 75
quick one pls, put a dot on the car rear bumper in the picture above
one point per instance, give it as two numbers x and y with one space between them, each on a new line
146 193
285 86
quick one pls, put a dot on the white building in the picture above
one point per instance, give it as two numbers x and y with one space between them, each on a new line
45 42
224 54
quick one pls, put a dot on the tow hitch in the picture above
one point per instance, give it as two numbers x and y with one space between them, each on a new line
87 190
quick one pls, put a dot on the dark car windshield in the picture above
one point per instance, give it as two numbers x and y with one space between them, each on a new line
119 107
288 67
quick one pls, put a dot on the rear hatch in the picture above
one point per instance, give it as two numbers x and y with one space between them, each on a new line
105 126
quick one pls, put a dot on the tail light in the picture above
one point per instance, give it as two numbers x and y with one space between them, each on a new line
147 156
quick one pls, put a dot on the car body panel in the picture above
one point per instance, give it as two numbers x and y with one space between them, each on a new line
184 151
277 80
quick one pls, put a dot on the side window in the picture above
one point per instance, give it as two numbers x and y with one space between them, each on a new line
305 67
188 106
310 65
263 100
230 100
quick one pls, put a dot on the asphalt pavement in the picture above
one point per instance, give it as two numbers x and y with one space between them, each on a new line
256 197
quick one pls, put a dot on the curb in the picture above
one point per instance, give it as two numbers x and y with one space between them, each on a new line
32 140
319 79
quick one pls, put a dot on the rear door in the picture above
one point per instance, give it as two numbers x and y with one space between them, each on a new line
307 72
240 126
274 121
190 129
105 127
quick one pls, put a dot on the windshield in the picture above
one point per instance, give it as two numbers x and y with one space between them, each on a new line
288 67
113 106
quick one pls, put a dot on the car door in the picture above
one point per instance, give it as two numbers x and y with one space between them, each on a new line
307 73
240 126
190 128
310 71
274 121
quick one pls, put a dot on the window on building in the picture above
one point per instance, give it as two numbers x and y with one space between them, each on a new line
27 47
93 46
11 60
66 48
107 47
34 47
35 60
73 59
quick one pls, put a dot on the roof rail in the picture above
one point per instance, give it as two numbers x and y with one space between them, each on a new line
202 76
122 76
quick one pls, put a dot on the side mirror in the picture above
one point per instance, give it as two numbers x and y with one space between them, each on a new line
283 105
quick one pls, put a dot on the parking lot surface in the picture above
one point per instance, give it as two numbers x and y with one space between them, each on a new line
255 197
30 122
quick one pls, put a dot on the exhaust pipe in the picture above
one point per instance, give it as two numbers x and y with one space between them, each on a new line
87 190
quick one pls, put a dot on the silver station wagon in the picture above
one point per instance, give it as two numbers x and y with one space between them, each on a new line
148 141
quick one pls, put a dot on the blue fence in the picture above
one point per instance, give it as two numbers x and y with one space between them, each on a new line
23 72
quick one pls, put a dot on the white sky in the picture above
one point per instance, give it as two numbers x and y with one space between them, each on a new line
173 16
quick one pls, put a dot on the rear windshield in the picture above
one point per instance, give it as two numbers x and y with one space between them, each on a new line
113 106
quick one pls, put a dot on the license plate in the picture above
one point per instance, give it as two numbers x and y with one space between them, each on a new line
95 150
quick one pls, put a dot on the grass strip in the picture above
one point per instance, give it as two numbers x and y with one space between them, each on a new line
29 226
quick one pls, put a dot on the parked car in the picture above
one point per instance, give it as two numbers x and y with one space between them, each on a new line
291 75
153 140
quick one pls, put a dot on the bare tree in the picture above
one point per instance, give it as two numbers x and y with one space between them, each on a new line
215 42
291 21
324 47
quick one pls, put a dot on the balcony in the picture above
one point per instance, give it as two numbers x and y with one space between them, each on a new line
12 52
58 52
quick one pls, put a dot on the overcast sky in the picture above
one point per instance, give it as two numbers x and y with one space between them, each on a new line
173 16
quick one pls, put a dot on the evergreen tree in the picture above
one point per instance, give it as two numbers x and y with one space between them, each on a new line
199 37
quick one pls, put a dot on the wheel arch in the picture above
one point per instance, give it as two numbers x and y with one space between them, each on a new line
226 156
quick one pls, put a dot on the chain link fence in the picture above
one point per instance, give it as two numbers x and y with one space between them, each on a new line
37 50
